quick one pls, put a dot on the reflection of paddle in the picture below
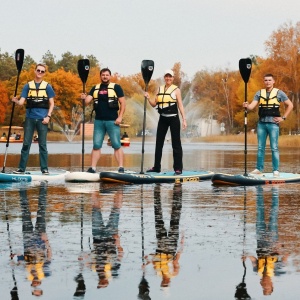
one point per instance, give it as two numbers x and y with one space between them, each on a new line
19 58
147 68
241 290
83 67
245 65
14 291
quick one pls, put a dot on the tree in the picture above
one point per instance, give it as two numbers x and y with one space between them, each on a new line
49 59
7 66
4 102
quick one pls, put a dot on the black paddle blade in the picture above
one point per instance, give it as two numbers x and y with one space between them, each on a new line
147 70
19 57
245 65
83 67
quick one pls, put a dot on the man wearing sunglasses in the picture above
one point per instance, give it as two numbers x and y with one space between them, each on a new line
39 97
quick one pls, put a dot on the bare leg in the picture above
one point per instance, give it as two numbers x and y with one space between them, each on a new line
119 155
95 157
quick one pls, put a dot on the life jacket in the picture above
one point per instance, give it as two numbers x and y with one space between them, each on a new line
113 101
37 98
165 103
269 105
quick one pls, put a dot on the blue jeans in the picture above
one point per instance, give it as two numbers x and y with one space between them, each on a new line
263 131
102 127
42 130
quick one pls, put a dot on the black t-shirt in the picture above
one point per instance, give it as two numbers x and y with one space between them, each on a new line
103 112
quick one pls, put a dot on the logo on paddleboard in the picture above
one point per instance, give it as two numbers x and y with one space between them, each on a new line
150 68
87 68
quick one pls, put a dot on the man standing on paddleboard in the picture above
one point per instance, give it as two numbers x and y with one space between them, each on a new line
109 106
39 97
268 101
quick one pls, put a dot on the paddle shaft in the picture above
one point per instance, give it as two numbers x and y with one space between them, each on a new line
143 132
245 129
10 122
83 128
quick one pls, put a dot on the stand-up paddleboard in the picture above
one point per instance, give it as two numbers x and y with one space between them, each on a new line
265 178
82 177
33 176
130 177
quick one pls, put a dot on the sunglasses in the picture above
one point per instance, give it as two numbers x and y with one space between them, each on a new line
40 71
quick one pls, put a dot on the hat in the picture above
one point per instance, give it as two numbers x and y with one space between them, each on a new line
169 72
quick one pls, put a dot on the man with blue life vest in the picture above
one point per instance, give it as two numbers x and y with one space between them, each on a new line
39 97
268 101
109 105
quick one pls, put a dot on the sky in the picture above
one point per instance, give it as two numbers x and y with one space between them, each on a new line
200 34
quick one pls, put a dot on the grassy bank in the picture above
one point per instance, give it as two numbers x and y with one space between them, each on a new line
284 140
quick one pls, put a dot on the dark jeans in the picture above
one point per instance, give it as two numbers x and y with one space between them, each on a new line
42 130
163 125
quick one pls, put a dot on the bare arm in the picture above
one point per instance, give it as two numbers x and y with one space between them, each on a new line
250 106
121 110
151 102
181 109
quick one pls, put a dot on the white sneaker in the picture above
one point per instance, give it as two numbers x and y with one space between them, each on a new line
256 172
276 174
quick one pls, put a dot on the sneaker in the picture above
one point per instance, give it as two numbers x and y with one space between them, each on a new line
45 172
276 174
178 172
91 170
121 170
256 172
154 170
19 171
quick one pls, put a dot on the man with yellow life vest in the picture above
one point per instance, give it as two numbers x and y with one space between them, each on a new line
269 100
168 100
39 97
109 105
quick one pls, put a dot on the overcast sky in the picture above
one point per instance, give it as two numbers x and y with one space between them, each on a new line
201 34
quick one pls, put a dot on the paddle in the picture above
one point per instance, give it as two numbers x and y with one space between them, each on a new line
83 67
19 58
245 65
147 68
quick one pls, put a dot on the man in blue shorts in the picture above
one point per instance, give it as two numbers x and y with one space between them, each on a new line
109 106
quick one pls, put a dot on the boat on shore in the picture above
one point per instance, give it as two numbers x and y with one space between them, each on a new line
16 134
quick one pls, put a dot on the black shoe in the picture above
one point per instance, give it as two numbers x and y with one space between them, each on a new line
121 170
154 170
178 172
45 172
91 170
19 171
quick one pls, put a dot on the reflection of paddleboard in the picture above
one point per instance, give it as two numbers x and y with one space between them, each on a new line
83 188
149 177
82 177
265 178
33 176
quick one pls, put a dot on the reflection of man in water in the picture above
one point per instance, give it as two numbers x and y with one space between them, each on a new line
166 258
269 261
108 252
37 250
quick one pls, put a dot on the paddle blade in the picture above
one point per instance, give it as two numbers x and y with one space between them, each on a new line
83 67
147 70
245 65
19 58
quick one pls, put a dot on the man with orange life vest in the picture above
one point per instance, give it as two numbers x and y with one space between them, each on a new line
269 100
109 106
39 97
168 100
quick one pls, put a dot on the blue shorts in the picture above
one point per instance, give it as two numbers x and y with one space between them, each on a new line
101 128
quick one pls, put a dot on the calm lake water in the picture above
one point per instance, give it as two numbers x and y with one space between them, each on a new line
157 241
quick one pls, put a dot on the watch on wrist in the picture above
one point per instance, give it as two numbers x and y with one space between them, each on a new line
49 117
283 118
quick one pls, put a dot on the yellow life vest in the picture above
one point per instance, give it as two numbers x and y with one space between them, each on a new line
166 103
37 98
112 96
269 105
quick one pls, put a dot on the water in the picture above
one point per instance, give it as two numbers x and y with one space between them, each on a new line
206 230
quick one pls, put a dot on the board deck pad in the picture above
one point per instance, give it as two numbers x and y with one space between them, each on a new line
251 179
33 176
131 177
